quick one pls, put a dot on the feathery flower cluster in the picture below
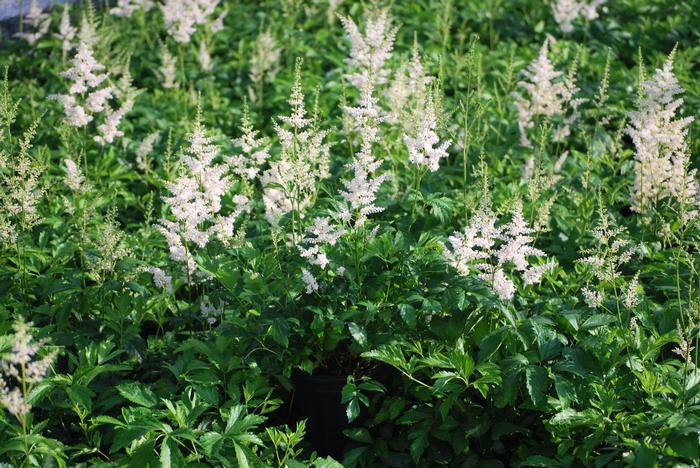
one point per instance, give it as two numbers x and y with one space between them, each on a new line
23 366
109 248
309 281
195 201
369 52
546 97
361 191
255 150
203 56
87 97
605 259
209 311
66 32
290 183
20 193
144 150
566 11
422 149
321 233
126 8
410 83
264 64
311 247
74 176
109 128
88 32
661 158
161 279
168 68
183 16
37 22
488 249
685 345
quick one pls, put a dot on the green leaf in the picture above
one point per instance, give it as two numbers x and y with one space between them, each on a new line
408 314
170 456
358 333
241 456
537 382
279 330
353 410
327 462
597 320
490 344
211 443
687 445
138 393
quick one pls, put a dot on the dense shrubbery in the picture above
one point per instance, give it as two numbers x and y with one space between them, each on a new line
461 233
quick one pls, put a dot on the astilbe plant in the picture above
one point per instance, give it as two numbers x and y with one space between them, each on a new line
23 368
66 32
604 261
167 71
196 201
144 150
291 181
407 89
567 11
548 95
182 17
661 161
370 51
264 63
38 22
89 95
21 191
254 150
360 191
323 232
490 250
126 8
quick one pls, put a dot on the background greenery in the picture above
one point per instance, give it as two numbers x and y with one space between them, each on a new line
142 379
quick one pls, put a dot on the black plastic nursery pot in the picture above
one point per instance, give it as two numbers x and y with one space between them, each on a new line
317 399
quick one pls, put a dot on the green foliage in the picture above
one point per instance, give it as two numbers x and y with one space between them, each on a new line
429 364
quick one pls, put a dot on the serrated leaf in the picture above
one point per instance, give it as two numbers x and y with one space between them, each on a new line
537 381
358 333
138 393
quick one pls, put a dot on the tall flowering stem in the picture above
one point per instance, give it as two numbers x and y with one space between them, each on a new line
661 159
290 185
195 201
22 370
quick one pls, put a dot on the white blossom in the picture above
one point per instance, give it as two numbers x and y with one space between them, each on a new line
309 281
567 11
661 157
361 191
66 32
74 176
161 279
126 8
425 148
488 249
203 57
22 366
37 23
144 150
548 96
264 63
255 150
195 201
370 51
209 311
167 71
